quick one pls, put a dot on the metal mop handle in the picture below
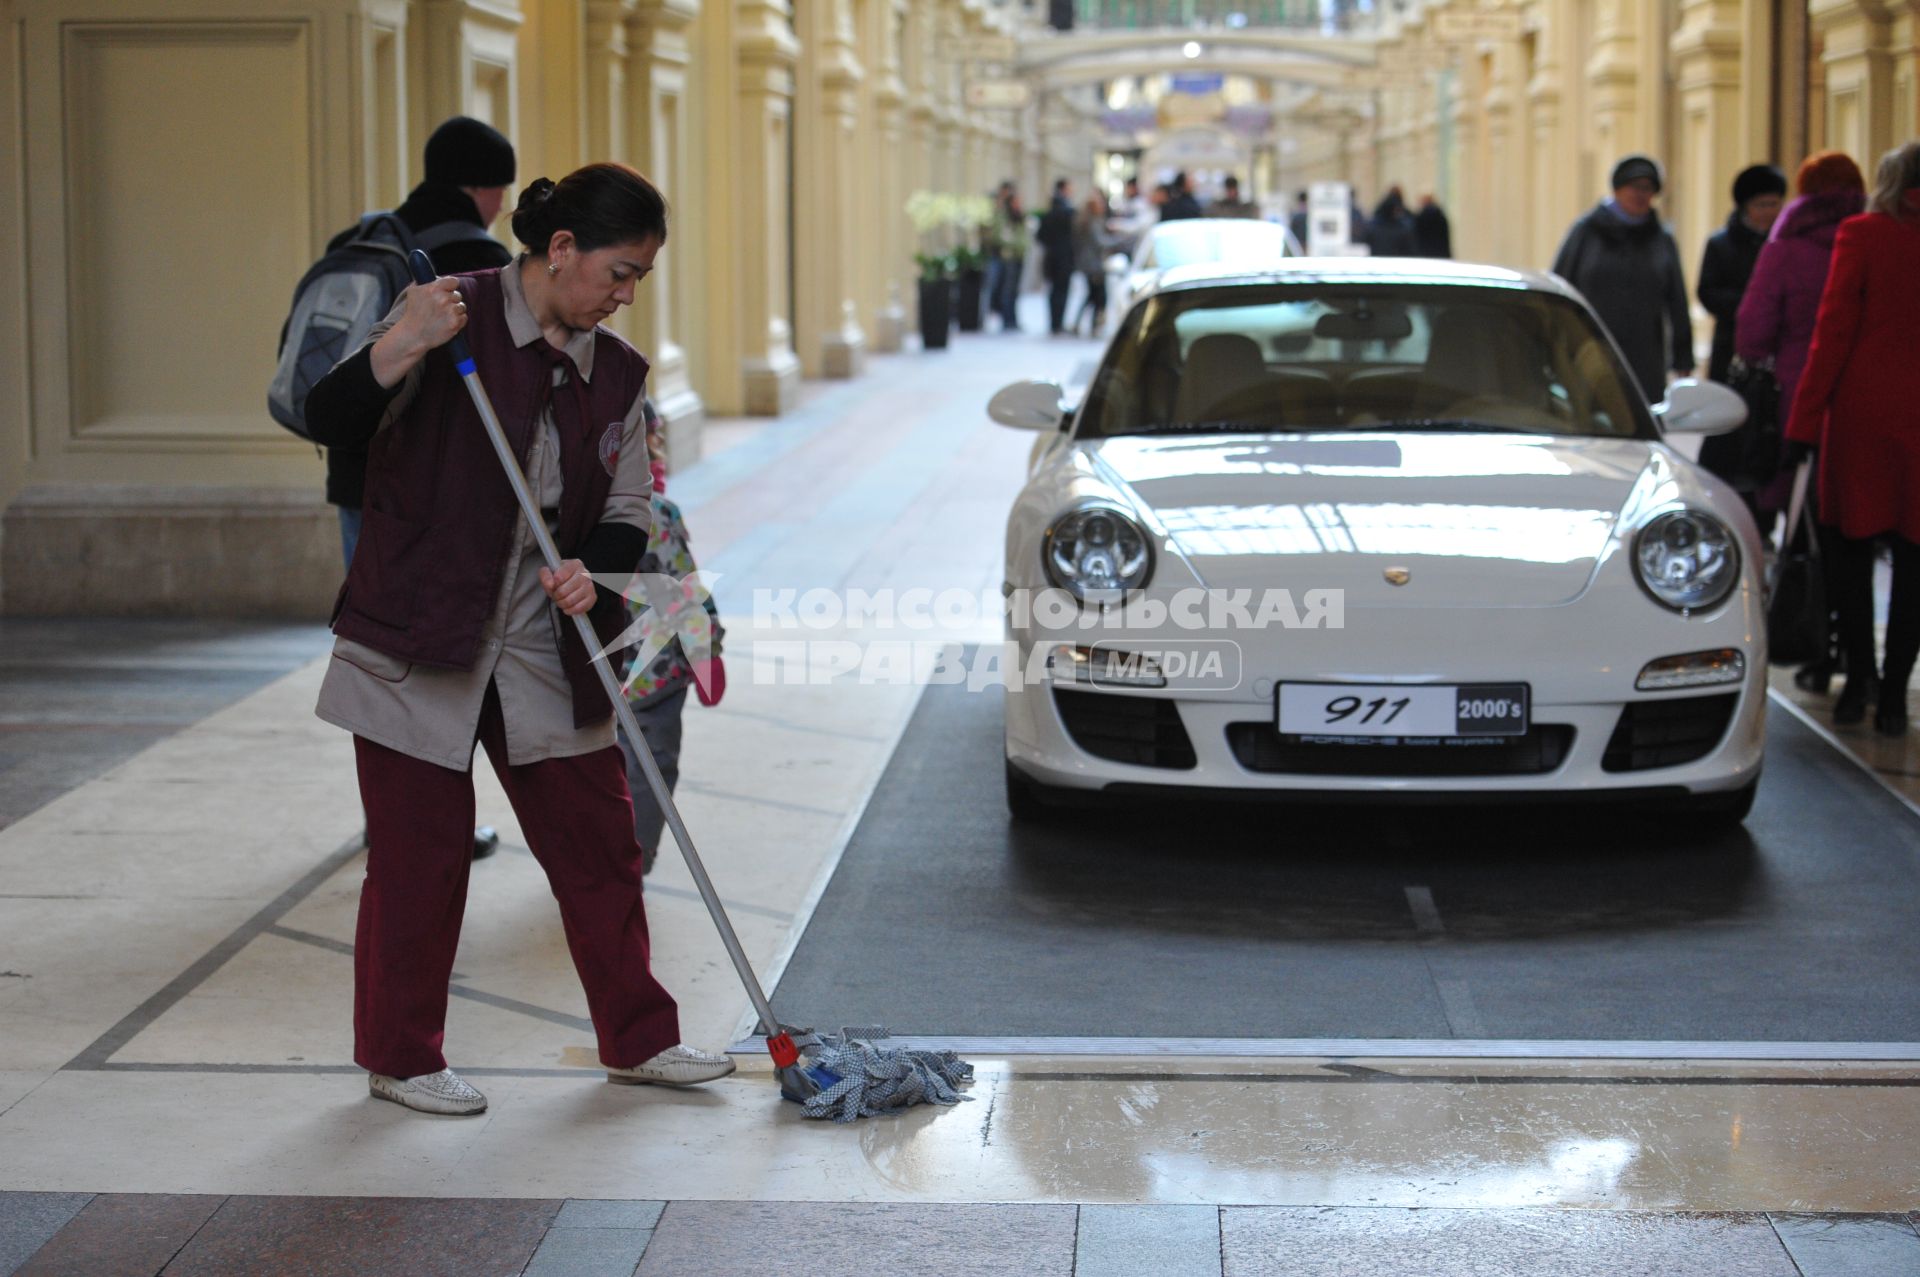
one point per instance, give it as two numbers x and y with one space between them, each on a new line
422 267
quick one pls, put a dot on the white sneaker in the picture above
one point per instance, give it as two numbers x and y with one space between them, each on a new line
441 1092
676 1066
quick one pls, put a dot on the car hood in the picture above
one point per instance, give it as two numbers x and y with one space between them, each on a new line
1472 520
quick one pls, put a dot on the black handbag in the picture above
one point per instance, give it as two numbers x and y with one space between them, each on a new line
1760 444
1797 601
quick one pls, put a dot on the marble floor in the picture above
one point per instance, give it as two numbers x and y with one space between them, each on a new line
175 973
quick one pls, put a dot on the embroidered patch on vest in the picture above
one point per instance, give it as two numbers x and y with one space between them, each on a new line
610 448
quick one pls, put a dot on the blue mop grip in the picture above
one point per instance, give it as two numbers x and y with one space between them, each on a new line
422 267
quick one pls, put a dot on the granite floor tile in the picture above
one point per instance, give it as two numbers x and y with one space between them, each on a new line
123 1235
589 1252
367 1237
1850 1245
1167 1241
28 1220
1363 1242
586 1213
734 1239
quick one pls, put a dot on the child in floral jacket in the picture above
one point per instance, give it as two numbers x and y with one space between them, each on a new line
658 692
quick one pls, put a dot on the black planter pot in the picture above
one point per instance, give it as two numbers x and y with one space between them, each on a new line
972 284
934 303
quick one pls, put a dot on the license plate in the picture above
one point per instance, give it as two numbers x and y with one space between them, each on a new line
1403 710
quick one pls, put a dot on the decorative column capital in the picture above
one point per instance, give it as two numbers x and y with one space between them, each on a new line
765 36
662 15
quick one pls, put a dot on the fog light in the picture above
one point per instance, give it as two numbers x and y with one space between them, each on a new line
1104 667
1695 669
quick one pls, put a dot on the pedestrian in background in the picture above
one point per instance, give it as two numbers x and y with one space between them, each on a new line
1015 241
1858 404
1055 236
1775 328
1727 264
657 692
993 246
1180 199
1132 214
1725 268
1230 204
1432 234
1623 260
1297 219
1092 242
1390 231
469 166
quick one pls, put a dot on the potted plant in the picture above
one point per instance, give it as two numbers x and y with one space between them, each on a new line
931 214
936 297
973 215
970 278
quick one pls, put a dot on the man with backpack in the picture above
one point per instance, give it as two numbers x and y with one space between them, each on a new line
469 166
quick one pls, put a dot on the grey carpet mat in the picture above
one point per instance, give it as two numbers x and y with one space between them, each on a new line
943 918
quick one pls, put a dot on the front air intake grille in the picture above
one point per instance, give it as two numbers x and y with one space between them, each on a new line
1143 730
1260 748
1667 733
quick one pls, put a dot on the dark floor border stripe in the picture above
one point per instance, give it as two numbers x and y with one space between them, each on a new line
1841 748
1370 1077
104 1047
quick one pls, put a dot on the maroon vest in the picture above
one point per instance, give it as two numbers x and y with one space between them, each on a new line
439 517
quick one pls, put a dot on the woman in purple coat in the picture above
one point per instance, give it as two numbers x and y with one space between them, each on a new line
1782 301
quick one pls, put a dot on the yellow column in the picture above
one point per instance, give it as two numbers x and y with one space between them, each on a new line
920 161
645 107
1906 73
556 74
760 188
468 64
1713 138
883 232
1557 189
1475 236
826 102
1613 81
1508 189
1858 56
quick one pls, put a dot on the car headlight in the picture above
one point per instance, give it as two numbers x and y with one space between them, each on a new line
1687 559
1095 549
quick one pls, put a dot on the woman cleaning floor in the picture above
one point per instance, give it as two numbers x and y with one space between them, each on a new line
447 633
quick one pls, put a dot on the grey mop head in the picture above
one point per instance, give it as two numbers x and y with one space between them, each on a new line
854 1074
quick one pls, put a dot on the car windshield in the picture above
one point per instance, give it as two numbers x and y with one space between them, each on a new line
1190 243
1326 356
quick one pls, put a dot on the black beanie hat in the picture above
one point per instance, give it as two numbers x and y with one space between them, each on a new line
1635 167
1761 179
466 152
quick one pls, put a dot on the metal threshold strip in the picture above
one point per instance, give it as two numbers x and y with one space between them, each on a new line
1404 1048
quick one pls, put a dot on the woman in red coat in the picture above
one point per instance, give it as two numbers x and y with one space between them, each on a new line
1858 403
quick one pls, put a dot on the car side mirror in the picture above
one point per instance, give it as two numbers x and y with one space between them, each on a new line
1695 407
1028 405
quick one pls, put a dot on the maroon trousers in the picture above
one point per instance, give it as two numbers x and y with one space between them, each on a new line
578 820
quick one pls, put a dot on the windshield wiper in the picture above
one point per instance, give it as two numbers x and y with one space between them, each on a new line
1236 427
1464 425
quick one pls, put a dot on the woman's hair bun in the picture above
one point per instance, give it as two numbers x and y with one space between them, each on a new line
531 224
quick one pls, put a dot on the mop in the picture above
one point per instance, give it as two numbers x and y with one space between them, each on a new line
842 1076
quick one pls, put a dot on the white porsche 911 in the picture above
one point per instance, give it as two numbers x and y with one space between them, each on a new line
1354 528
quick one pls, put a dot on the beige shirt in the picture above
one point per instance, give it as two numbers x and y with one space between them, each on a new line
434 714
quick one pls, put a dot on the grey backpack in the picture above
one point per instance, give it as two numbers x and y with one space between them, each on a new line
339 300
